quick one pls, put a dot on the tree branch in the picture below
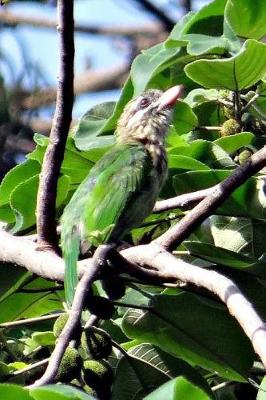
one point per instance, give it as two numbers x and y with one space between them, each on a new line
46 200
73 321
150 263
228 292
167 22
182 201
179 232
89 81
12 19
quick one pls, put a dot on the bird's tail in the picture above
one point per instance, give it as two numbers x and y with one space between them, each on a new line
70 248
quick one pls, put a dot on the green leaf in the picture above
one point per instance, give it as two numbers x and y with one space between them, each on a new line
188 328
44 338
10 282
185 162
93 123
16 176
58 392
23 200
206 152
262 391
184 119
248 200
234 142
169 365
198 96
200 44
248 19
135 376
247 68
208 20
13 392
179 388
220 256
149 63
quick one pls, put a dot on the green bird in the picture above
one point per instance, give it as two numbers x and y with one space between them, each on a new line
121 189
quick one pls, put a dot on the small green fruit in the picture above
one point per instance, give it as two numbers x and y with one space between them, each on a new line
244 156
95 343
100 306
70 366
59 324
114 288
230 127
97 374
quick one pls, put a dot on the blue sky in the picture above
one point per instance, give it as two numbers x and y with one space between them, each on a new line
40 44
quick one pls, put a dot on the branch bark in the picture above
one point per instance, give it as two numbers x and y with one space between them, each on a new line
179 232
73 321
182 201
12 19
46 201
89 81
150 262
167 22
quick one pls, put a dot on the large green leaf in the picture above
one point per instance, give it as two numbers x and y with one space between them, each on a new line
179 388
204 151
208 20
13 392
234 142
188 328
198 96
247 18
184 119
15 306
238 72
92 124
23 200
228 258
150 63
135 378
59 392
15 176
248 200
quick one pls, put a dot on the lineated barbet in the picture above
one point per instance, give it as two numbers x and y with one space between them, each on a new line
121 189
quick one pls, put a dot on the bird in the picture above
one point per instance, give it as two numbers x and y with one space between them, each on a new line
122 187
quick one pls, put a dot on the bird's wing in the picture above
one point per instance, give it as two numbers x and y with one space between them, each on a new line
112 197
99 203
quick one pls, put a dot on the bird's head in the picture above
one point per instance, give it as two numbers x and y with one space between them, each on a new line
148 116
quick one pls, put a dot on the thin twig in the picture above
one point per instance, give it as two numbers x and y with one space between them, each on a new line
73 321
167 22
46 201
30 367
179 232
182 201
26 321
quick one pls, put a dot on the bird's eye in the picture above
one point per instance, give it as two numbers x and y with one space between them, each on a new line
144 102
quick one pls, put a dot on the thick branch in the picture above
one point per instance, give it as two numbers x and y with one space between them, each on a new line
150 263
46 201
12 19
167 22
179 232
182 201
89 81
73 321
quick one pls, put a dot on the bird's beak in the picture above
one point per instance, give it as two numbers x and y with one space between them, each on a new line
169 98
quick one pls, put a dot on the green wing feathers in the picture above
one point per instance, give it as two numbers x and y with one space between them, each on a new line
70 245
117 195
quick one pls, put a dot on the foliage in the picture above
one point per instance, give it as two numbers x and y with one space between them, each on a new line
188 343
